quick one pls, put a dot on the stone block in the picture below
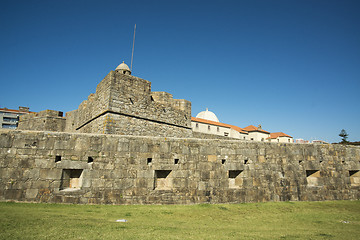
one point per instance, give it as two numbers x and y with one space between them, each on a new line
6 140
31 193
14 194
50 174
212 158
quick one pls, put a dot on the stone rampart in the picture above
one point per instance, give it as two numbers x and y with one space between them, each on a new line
114 169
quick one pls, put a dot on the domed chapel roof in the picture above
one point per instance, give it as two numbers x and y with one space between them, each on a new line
208 115
124 67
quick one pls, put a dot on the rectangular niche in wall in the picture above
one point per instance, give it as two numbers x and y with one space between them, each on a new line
354 177
71 179
312 178
163 180
235 178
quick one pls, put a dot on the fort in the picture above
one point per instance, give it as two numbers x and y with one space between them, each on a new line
128 145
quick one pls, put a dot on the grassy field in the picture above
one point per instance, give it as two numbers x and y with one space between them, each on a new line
281 220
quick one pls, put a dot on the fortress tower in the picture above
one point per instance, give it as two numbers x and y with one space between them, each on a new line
124 104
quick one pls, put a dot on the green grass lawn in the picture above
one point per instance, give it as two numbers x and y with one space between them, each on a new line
280 220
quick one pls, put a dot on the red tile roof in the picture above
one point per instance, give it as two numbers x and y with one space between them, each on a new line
13 110
252 128
278 134
239 129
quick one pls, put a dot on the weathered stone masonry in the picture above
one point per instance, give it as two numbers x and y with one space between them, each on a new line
122 104
114 169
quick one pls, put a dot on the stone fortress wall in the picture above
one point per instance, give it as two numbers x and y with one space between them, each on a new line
42 166
128 145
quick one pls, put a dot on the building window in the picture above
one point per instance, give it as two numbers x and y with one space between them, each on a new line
209 128
9 126
7 119
197 125
226 134
218 129
262 139
252 139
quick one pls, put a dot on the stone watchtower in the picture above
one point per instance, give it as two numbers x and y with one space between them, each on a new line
124 104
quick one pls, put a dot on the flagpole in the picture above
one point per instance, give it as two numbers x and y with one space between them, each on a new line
132 53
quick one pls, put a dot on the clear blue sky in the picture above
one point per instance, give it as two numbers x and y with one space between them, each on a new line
292 66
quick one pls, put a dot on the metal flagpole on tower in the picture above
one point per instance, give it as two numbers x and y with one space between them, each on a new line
132 53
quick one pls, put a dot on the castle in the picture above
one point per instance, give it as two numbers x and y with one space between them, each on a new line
128 145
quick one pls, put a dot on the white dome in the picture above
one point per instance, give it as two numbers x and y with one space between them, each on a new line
123 68
208 115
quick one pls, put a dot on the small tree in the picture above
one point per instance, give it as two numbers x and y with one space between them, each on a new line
344 135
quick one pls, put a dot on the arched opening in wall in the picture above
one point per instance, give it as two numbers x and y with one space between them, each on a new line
90 160
235 178
223 161
148 161
354 177
312 178
163 180
71 179
176 161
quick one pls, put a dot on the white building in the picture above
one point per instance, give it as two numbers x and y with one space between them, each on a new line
280 137
9 118
207 122
257 133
